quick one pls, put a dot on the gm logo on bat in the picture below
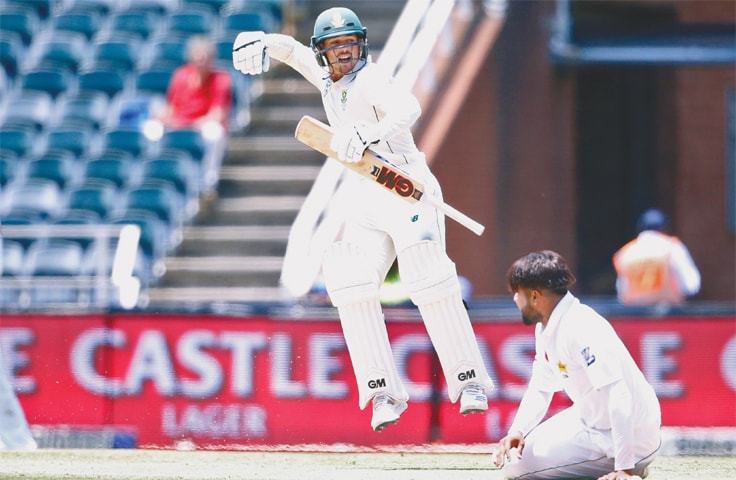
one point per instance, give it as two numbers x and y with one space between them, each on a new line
393 180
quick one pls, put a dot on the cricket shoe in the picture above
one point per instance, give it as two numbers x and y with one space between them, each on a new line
473 399
386 411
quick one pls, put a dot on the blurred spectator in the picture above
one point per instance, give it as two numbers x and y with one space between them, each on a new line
14 431
655 268
199 97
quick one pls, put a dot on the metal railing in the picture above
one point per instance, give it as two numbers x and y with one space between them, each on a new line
106 282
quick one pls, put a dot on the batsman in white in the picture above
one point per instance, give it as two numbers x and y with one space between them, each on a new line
612 429
365 109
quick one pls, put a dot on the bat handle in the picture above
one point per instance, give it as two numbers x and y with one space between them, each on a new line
454 214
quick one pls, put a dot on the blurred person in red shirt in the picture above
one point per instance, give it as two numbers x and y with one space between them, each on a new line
199 97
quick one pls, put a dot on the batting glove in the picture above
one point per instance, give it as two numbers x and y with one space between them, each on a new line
250 54
349 143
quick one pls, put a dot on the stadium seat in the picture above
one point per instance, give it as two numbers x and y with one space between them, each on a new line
118 170
42 8
120 53
53 82
59 170
188 140
88 23
126 139
99 7
11 52
34 197
109 82
142 24
13 253
79 217
30 109
214 6
98 197
192 21
154 81
9 167
64 49
169 52
20 140
77 140
55 258
155 233
183 173
162 200
21 20
247 19
160 7
86 108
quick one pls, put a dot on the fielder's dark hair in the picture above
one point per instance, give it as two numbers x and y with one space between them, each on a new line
544 270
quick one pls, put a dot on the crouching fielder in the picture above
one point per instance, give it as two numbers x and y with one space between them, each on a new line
612 430
365 109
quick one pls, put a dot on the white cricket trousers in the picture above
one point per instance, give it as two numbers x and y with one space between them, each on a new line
563 447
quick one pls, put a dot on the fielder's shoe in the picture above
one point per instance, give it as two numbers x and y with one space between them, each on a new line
473 399
386 411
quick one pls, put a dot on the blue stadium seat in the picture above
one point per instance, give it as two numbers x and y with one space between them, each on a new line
183 173
54 82
98 197
13 253
162 200
11 52
30 109
34 197
88 23
21 20
59 170
79 217
169 52
192 21
121 53
55 258
155 233
20 140
64 49
9 166
247 19
139 23
99 7
214 6
154 81
86 108
160 7
127 139
109 82
118 170
42 8
188 140
77 140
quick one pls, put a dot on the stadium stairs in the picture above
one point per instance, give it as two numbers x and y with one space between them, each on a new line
234 251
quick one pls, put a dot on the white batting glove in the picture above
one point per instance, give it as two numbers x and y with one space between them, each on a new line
349 143
250 54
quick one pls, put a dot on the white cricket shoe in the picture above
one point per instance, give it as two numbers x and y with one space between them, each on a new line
386 411
473 399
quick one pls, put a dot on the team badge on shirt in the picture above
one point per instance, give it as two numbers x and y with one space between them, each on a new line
344 98
587 356
563 368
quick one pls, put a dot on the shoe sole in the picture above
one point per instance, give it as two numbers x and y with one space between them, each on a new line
468 411
383 425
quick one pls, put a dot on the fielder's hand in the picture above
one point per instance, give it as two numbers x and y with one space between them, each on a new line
250 55
350 142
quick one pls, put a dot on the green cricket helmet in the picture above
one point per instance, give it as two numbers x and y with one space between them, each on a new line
334 22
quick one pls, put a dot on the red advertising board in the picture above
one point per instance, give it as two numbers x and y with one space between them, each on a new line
221 381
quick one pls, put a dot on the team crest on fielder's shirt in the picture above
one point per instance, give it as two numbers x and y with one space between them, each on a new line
563 368
589 357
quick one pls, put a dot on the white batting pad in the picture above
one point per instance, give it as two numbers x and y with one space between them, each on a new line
353 286
431 279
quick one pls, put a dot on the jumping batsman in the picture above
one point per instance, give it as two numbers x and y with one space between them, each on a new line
365 109
612 430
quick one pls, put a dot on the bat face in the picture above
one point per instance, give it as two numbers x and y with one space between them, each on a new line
393 180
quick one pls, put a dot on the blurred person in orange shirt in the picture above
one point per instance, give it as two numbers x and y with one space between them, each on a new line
655 268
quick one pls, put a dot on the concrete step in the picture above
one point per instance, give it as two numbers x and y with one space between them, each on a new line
223 270
267 179
234 240
270 119
269 149
266 210
209 294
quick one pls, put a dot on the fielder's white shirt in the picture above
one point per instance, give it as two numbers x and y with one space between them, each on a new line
580 353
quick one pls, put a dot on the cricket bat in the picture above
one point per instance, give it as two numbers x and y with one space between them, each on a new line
317 135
